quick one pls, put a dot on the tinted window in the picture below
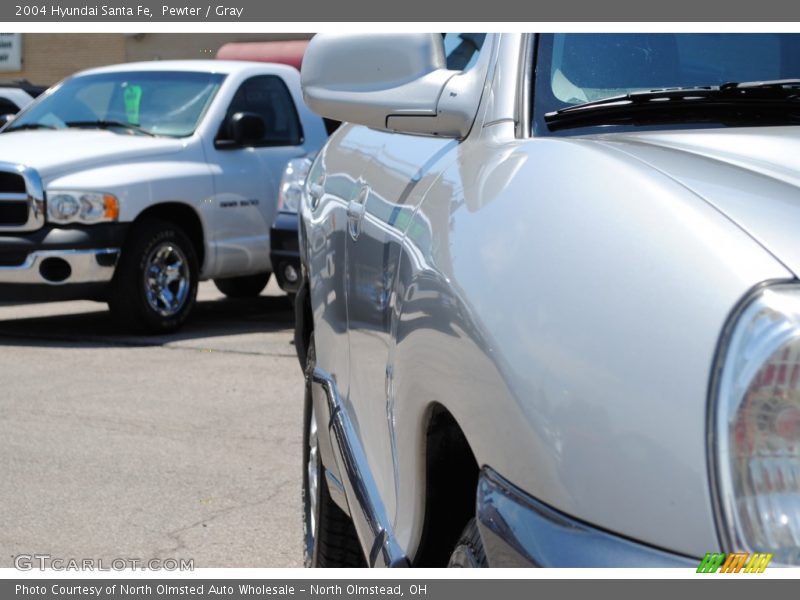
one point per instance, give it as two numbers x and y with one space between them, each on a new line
578 68
7 107
461 50
267 96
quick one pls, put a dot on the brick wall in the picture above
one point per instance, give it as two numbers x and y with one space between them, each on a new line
153 46
49 57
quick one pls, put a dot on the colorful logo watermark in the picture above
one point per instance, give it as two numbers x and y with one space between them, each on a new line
734 562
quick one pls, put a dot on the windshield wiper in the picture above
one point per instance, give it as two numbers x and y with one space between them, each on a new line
776 85
29 126
753 102
100 124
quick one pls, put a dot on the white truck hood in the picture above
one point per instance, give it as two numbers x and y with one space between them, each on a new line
752 175
55 152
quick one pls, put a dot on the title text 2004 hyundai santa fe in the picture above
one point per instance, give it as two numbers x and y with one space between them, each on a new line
550 311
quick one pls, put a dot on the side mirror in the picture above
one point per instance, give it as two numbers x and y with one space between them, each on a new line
398 82
247 128
6 119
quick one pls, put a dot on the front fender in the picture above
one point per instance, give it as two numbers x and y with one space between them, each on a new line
565 307
139 186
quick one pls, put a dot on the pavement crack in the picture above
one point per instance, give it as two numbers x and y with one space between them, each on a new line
177 535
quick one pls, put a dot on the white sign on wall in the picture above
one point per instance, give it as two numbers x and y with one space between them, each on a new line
10 52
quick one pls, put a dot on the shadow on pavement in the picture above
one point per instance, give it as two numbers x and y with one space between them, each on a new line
211 318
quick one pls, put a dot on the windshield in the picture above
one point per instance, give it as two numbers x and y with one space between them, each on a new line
151 102
576 68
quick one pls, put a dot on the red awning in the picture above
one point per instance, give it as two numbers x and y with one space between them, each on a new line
286 52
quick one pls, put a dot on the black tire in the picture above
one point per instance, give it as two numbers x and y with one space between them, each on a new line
131 297
469 552
248 286
334 543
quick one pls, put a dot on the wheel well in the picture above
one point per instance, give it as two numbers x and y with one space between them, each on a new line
303 323
184 216
451 484
451 471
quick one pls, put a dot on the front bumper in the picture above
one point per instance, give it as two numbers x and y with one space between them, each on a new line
61 256
285 252
519 531
61 267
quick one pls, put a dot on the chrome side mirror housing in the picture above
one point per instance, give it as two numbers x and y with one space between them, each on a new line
396 82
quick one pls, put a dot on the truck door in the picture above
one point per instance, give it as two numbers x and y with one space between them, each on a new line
392 185
246 176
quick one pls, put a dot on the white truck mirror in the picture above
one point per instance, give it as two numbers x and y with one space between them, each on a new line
397 82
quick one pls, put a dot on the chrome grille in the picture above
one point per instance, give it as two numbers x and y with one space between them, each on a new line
12 183
13 213
21 199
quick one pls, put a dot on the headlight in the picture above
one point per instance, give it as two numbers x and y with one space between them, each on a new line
757 426
81 207
292 182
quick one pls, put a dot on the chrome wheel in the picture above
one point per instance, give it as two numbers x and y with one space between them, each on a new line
313 474
166 279
330 539
469 552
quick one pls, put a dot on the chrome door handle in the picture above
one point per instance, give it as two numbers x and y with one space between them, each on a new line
356 209
315 191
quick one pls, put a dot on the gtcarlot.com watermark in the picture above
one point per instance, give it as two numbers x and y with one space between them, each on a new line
43 562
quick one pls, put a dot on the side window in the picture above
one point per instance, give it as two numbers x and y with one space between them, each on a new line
461 50
268 97
7 107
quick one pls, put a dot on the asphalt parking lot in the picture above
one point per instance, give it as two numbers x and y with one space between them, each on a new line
181 446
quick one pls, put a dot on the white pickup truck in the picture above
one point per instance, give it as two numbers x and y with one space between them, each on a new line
128 184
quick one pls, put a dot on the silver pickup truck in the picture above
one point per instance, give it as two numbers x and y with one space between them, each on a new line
550 312
130 183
